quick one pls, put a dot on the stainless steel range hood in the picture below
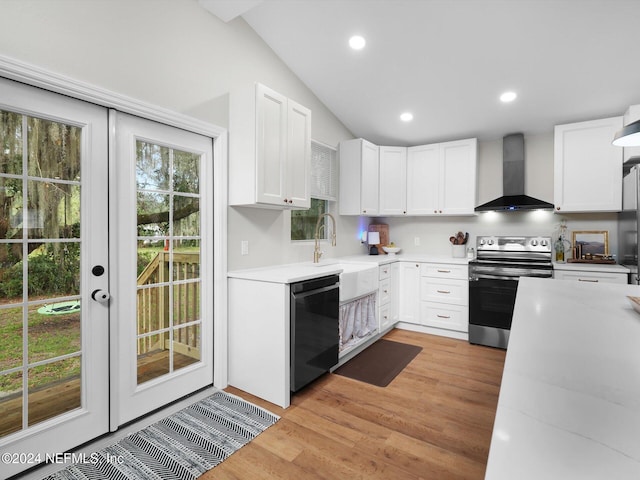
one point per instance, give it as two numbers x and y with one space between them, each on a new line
513 180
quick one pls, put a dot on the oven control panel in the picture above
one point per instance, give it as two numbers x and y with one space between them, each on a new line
513 244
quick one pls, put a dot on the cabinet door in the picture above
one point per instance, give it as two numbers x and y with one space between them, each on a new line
423 177
369 179
587 168
393 181
409 290
298 166
271 145
458 177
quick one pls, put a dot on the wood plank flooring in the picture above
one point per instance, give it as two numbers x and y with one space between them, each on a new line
433 421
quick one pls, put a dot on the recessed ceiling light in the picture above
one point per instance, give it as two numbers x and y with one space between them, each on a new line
406 117
357 42
508 97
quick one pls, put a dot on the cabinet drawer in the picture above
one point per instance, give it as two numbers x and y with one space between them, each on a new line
444 270
451 317
386 318
384 271
592 277
384 292
455 292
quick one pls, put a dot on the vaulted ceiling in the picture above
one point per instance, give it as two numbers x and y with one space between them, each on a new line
448 61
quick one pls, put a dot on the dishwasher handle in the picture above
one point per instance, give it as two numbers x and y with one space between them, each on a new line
315 284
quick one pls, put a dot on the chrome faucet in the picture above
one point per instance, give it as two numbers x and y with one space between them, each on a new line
316 251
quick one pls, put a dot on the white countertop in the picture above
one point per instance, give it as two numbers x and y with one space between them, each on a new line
591 267
296 272
569 405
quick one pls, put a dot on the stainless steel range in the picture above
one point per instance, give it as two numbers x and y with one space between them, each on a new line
493 281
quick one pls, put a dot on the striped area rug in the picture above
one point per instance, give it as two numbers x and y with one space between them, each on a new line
181 446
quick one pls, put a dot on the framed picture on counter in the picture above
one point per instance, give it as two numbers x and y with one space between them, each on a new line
593 242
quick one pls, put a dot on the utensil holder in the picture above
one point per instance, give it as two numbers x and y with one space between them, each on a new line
458 251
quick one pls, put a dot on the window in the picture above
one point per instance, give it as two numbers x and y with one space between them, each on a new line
324 187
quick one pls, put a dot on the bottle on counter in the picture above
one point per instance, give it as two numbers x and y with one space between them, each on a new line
558 246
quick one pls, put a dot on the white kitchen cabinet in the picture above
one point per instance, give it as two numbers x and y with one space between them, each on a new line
388 296
444 296
587 168
423 180
409 292
359 177
393 180
591 276
269 149
441 178
259 339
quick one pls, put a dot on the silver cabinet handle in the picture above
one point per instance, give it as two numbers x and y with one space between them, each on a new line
443 316
444 271
588 280
443 291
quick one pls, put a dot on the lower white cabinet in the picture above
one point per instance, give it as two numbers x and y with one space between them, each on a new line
434 295
590 276
388 296
444 296
259 339
409 287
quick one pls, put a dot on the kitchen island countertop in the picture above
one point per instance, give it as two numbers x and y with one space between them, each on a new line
569 405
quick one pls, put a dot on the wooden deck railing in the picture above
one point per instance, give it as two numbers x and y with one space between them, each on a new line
153 304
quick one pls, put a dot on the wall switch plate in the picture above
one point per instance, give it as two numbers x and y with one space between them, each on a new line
244 247
416 241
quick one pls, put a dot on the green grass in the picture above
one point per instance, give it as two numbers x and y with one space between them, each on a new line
49 336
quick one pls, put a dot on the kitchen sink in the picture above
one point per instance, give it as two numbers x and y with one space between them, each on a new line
356 280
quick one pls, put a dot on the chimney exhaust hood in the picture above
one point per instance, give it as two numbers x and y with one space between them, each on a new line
513 180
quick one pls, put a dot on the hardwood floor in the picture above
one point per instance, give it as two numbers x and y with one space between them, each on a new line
433 421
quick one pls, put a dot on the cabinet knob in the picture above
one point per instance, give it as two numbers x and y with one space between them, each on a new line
364 211
285 200
435 211
290 201
557 208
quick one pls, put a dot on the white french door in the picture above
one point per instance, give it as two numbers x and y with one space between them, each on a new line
54 377
162 234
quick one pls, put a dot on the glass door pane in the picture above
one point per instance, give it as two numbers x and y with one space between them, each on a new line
40 364
168 223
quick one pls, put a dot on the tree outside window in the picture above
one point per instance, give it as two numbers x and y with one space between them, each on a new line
303 222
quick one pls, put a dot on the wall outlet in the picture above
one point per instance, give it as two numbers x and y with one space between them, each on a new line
416 241
244 247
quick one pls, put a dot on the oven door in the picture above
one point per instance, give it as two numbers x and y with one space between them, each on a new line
491 301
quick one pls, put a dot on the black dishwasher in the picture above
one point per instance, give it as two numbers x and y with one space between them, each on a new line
314 329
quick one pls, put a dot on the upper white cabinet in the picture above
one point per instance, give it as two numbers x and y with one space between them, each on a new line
437 179
393 180
587 168
423 179
359 176
441 178
269 149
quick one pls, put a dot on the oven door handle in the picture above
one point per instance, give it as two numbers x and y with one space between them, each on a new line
479 276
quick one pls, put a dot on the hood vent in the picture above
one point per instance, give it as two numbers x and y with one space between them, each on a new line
513 180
